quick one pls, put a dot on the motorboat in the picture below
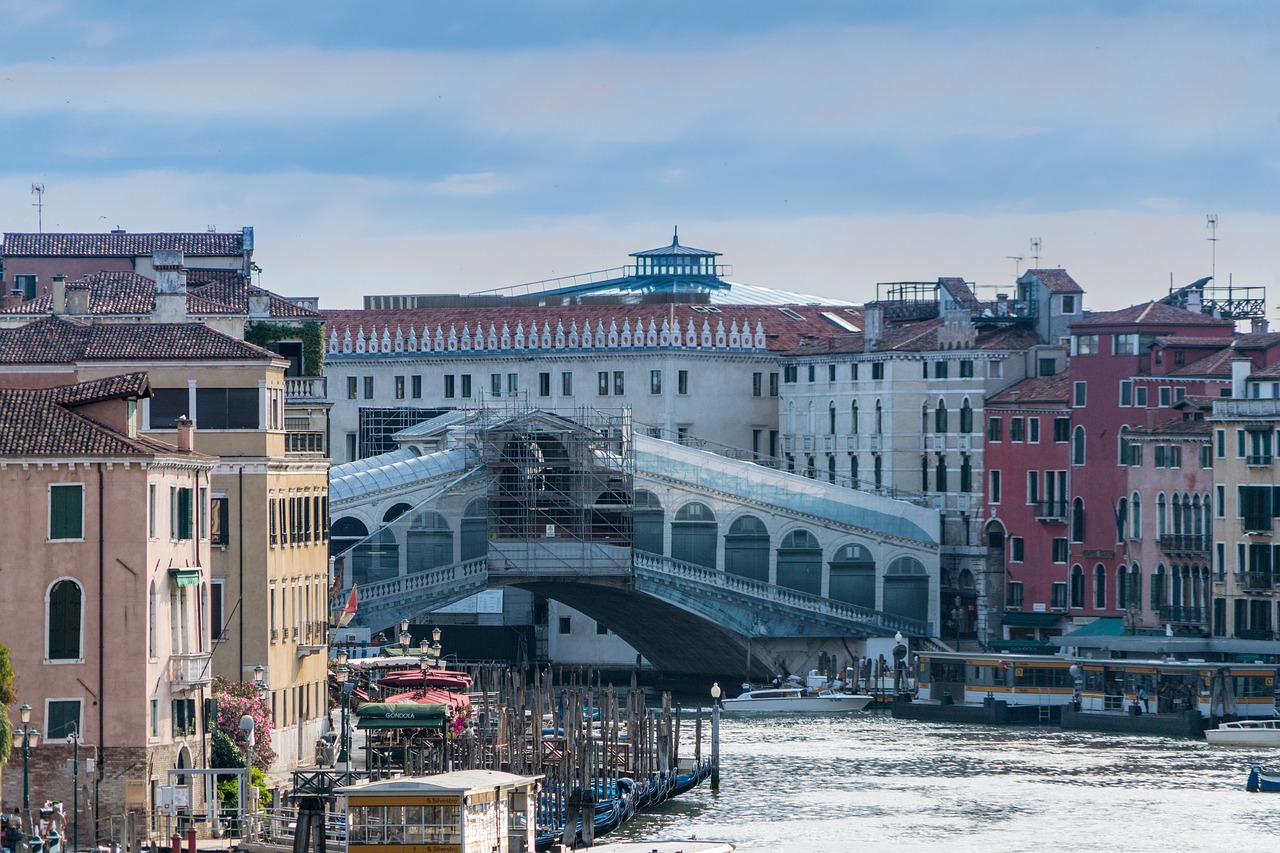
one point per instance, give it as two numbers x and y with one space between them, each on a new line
794 699
1262 782
1246 733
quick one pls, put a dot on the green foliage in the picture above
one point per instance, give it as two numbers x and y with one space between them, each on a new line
311 334
224 752
235 700
8 695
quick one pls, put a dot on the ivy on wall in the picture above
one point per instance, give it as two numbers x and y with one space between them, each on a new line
312 335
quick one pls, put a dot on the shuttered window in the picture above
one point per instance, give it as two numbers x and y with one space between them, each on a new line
66 511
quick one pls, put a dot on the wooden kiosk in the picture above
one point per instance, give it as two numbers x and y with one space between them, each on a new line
466 811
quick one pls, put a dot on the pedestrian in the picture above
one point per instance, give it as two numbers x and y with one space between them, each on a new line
1142 698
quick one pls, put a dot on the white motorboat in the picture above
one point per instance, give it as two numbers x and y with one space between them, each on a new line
1246 733
794 700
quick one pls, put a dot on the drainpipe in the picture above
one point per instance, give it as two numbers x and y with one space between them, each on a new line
240 550
102 644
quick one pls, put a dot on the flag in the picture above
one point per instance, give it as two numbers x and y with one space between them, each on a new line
349 610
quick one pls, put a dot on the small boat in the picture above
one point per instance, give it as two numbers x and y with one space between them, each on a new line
794 700
1246 733
1259 781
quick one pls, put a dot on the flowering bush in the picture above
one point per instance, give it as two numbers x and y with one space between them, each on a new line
235 700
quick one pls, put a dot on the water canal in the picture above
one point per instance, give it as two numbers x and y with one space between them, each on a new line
866 782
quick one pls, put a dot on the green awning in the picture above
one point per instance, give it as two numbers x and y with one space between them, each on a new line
1107 626
1031 620
1023 647
400 715
185 577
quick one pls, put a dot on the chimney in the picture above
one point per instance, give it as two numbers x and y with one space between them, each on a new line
171 287
186 431
78 300
1259 325
1240 370
1002 304
58 294
1195 301
259 303
872 327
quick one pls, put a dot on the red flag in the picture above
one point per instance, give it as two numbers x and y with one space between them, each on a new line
349 610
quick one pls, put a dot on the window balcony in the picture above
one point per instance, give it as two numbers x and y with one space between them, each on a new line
1182 543
1051 511
305 441
1257 581
1257 523
1185 616
1262 460
188 672
305 388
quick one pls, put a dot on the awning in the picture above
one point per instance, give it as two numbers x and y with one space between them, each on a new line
185 577
400 715
1031 620
1107 626
1023 647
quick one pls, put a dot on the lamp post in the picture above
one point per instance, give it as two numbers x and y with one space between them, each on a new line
341 674
246 726
26 738
716 692
405 637
74 739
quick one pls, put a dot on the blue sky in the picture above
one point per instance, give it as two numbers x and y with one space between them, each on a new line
821 146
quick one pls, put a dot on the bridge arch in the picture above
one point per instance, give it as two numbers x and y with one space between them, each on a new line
906 588
429 542
395 511
693 535
346 532
800 562
377 558
648 522
475 529
746 548
853 576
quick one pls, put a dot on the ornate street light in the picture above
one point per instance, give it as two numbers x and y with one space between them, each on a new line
405 637
341 674
260 679
26 739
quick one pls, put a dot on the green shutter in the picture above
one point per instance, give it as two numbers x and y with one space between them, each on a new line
184 513
66 512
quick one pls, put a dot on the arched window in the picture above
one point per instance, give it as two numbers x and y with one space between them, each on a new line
1122 587
746 549
831 468
1135 516
1123 446
811 414
906 589
966 473
940 474
966 417
153 623
1135 586
879 418
1157 589
648 523
345 533
1077 446
429 542
1077 520
800 562
940 417
853 422
693 535
1077 586
1177 515
475 529
924 418
1122 518
831 418
1162 516
395 512
64 624
1100 587
853 576
1197 516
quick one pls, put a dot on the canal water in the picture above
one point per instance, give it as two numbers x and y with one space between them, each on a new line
866 782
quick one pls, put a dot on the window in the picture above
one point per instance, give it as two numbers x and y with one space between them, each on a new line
1166 396
167 405
773 384
940 417
1077 446
219 519
1068 303
495 384
450 386
1084 345
466 386
544 384
1140 396
1126 392
151 511
63 720
1046 366
1220 498
1013 595
1220 443
618 386
1060 549
995 486
995 369
966 418
877 370
1124 344
602 383
940 369
1058 596
994 429
513 384
352 393
368 387
812 372
1078 394
565 625
1017 549
399 385
1077 586
566 384
601 629
65 620
227 408
757 384
831 373
1062 430
415 387
216 590
655 381
66 511
1033 430
941 474
1017 429
789 373
1206 456
179 513
682 382
184 717
966 473
1099 587
1033 487
26 285
966 368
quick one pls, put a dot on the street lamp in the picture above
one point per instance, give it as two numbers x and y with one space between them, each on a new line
716 692
246 726
74 740
341 674
405 637
26 739
260 679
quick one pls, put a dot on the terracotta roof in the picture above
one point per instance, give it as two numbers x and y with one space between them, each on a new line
1244 340
45 421
1054 280
1155 314
1174 427
57 340
116 293
1214 364
922 336
121 244
1045 390
959 290
235 291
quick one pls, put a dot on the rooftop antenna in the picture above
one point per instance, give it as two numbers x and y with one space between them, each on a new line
38 191
1017 261
675 235
1035 252
1211 220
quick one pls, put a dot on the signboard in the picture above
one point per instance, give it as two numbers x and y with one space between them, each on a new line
1099 553
489 601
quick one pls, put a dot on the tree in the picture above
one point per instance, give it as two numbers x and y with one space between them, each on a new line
8 695
235 700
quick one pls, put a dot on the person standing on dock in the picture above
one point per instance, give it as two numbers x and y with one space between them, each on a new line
1142 699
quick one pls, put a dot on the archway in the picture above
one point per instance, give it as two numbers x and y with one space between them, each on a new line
429 542
906 589
800 562
853 576
649 523
693 535
475 529
746 549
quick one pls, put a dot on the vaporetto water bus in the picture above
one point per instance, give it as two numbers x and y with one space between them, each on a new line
1171 696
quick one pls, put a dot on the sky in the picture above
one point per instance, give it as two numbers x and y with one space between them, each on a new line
408 146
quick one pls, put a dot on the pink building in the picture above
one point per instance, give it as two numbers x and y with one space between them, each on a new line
104 594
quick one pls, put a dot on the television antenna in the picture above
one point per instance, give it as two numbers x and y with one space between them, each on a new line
1035 251
1017 262
38 191
1211 221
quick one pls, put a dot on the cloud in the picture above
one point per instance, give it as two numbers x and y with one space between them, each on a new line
478 183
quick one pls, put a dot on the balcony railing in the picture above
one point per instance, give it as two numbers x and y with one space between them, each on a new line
1257 523
1255 634
187 672
1257 581
304 441
1051 511
1183 543
1262 460
305 387
1180 615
